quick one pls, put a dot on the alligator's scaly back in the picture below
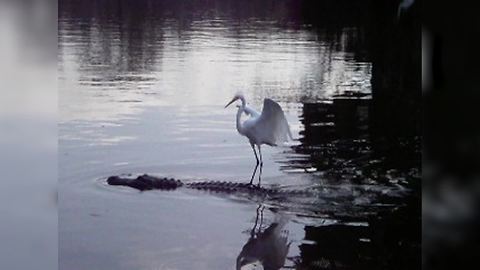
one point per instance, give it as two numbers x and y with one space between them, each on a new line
148 182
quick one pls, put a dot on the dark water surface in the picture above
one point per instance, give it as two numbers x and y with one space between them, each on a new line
142 89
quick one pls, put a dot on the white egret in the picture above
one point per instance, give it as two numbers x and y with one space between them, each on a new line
270 127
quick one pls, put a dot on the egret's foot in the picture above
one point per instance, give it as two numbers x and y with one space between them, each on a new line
254 186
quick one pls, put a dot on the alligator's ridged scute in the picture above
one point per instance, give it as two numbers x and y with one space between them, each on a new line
230 187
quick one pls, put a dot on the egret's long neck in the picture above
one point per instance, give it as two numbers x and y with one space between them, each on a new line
239 115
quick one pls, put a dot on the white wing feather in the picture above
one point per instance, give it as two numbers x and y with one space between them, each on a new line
271 127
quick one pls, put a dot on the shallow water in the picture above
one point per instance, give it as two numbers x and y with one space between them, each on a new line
142 90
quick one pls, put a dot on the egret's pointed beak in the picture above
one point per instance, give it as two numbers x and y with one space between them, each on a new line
233 100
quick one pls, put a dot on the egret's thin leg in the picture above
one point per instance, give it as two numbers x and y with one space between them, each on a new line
255 152
260 174
260 151
261 166
253 175
256 166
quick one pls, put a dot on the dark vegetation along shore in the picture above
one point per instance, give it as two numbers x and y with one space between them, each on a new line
372 138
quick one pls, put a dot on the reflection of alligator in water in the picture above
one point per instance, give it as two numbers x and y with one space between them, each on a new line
148 182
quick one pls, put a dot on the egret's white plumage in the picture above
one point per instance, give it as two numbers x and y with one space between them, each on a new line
250 111
269 127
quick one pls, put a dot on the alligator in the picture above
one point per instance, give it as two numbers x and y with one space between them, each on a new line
149 182
306 200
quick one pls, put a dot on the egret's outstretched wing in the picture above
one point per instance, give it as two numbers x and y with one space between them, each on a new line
272 126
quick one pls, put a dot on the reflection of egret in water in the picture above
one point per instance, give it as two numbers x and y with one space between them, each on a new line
269 127
269 248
